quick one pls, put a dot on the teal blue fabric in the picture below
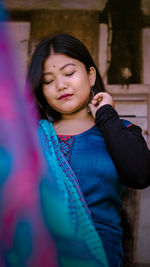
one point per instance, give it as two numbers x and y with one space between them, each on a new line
75 206
98 179
101 187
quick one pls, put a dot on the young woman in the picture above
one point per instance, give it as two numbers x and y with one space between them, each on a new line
98 153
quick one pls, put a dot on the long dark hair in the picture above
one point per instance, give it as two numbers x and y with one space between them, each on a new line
62 44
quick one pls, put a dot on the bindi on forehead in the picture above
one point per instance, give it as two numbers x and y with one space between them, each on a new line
54 66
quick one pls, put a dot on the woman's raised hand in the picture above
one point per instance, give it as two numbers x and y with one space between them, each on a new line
100 100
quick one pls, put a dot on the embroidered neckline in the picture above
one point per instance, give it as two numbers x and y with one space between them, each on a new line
66 144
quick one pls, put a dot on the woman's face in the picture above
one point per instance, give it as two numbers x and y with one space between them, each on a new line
66 83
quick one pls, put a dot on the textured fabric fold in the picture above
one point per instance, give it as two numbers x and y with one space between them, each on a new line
36 228
70 191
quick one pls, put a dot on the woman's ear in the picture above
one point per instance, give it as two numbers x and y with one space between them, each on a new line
92 76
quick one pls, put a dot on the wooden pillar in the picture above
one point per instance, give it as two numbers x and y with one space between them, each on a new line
82 24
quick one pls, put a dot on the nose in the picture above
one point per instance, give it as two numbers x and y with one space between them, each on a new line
61 84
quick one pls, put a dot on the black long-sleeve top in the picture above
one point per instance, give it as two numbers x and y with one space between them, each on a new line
127 148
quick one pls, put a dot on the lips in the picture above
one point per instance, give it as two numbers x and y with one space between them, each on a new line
65 96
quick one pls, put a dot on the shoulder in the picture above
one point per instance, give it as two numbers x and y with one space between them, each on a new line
42 126
42 121
132 127
127 123
45 127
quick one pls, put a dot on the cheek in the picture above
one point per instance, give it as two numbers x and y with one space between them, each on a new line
47 93
82 83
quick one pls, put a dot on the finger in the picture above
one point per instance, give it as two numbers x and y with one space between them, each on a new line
94 101
99 99
98 95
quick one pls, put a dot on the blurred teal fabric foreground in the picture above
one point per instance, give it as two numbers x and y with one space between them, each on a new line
38 227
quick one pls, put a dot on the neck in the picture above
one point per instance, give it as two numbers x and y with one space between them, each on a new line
74 123
78 115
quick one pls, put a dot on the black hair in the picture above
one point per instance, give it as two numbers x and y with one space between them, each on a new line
62 44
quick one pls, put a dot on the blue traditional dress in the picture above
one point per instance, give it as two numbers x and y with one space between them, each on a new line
89 160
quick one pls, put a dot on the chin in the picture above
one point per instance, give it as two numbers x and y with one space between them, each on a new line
71 110
68 111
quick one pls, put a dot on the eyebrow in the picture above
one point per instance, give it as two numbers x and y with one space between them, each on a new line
69 64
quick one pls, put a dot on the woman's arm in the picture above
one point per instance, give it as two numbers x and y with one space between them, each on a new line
126 146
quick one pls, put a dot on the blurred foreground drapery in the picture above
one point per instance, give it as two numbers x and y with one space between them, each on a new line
24 239
35 225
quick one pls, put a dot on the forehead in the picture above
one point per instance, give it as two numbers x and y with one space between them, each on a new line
58 61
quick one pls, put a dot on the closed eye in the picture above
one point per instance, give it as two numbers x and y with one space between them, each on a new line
47 82
69 74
